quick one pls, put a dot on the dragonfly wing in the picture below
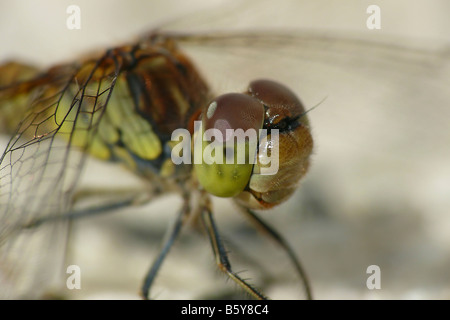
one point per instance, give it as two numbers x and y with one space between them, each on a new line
42 162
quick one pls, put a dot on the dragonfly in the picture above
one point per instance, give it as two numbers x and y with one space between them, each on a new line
124 107
86 87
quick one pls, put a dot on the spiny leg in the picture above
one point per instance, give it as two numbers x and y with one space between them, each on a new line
172 233
283 243
221 256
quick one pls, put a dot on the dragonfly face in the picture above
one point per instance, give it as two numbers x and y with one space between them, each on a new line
269 106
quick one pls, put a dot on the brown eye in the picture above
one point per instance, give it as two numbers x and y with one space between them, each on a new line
280 101
234 111
284 112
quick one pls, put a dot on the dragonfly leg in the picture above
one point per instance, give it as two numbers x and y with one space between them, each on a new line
114 193
221 256
138 198
169 239
263 226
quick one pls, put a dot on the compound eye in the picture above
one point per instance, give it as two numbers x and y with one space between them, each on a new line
280 101
234 111
228 153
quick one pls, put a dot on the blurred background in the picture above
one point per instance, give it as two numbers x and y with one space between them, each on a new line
378 189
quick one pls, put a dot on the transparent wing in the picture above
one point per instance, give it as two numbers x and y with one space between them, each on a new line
42 162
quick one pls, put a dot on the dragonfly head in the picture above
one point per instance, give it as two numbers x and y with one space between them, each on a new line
255 146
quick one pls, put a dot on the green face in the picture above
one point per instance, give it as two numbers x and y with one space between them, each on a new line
227 141
223 180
